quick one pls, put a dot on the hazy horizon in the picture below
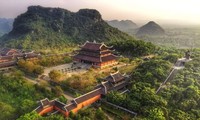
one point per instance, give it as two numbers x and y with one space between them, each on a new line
177 12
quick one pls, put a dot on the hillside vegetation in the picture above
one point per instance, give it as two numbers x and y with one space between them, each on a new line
179 98
17 96
151 28
188 37
44 28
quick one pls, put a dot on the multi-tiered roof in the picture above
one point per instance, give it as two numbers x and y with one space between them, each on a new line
95 53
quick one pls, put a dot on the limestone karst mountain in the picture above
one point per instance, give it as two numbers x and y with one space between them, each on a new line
151 28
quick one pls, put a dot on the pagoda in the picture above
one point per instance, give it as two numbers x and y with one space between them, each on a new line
97 54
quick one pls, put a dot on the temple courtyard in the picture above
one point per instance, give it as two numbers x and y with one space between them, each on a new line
69 69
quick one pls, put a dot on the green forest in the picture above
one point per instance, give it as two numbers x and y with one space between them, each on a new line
178 100
56 31
17 96
47 28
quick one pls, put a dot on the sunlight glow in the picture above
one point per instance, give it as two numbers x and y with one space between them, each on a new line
179 11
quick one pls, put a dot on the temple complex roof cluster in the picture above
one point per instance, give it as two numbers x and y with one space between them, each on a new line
97 54
114 81
9 57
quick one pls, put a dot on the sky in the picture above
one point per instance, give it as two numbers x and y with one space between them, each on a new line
139 11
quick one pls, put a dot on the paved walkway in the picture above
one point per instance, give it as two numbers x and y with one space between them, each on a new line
69 69
31 80
177 66
69 96
119 107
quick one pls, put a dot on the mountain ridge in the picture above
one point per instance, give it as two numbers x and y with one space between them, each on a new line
122 25
40 27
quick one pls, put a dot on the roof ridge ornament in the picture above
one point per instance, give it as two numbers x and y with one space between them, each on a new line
74 100
114 73
111 74
85 43
124 74
104 87
41 101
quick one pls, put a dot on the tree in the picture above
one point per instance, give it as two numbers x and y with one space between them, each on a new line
54 117
180 115
82 82
156 114
58 90
38 69
99 115
23 96
17 74
30 116
6 111
63 99
26 105
71 115
172 57
30 67
55 75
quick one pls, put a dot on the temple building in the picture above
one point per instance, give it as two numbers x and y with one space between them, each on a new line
115 81
115 77
9 52
97 54
9 57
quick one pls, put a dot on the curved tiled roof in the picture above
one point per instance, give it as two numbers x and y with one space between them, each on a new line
7 64
108 58
100 90
60 105
6 51
88 95
115 77
93 46
87 58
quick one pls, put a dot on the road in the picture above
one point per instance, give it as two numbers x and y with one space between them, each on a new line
31 80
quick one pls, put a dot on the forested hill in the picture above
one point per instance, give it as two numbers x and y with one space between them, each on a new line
42 27
151 28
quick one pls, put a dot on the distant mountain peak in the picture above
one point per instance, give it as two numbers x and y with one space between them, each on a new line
151 28
123 24
151 22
